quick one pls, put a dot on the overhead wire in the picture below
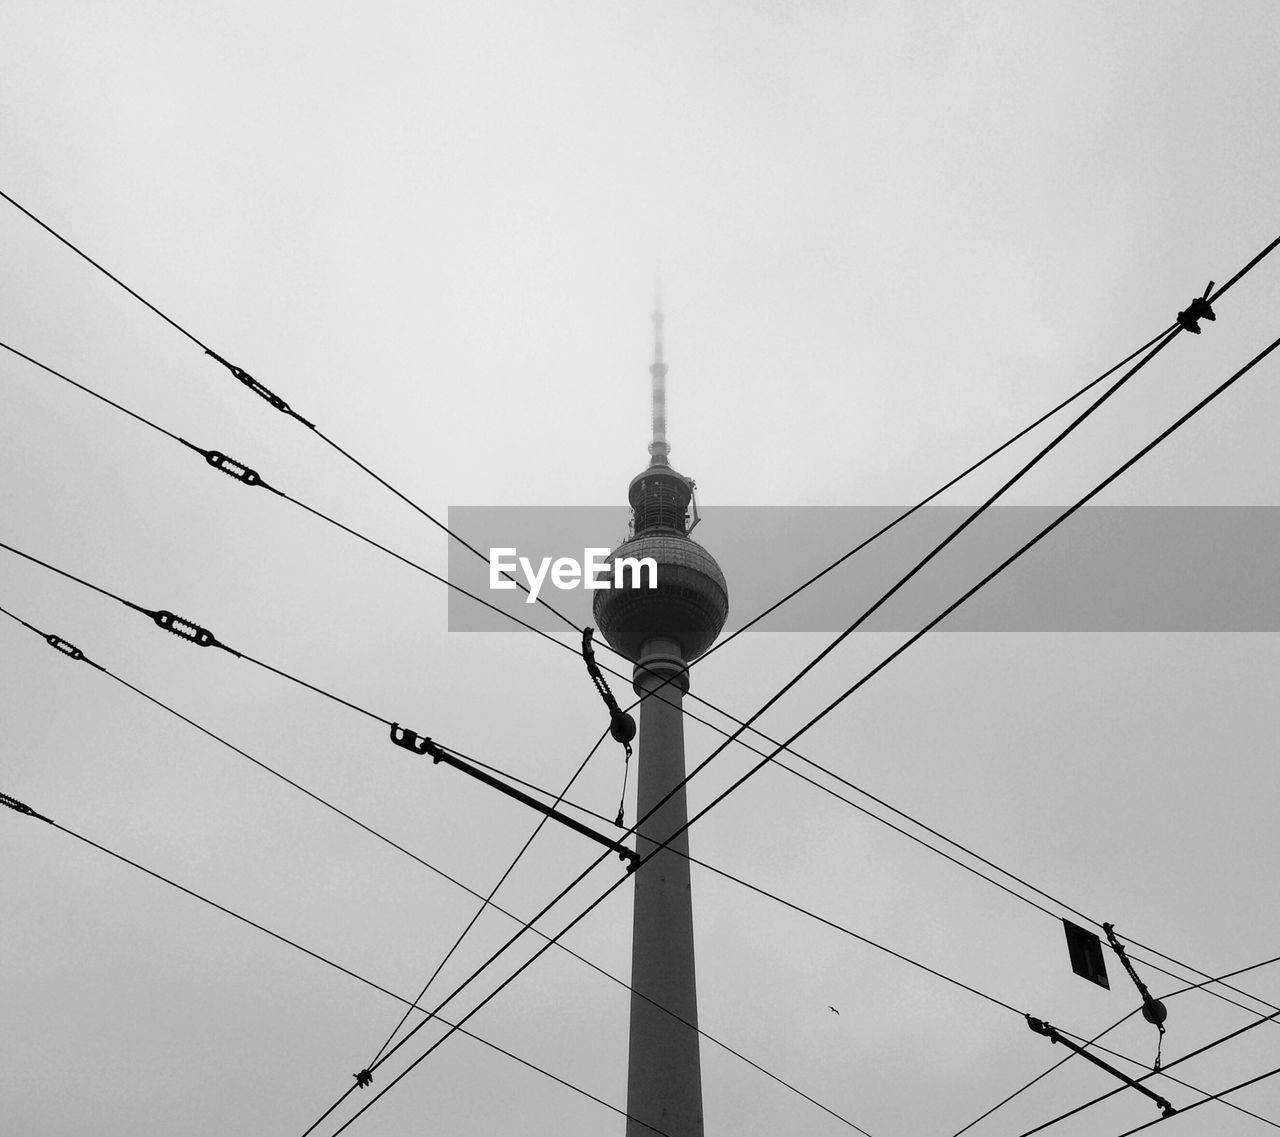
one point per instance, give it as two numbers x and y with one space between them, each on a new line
81 657
1210 296
1064 905
142 419
924 501
836 926
1044 1073
323 959
121 599
719 749
488 901
818 766
130 604
214 642
248 379
209 351
1185 417
1168 1065
1205 1101
258 481
412 1004
963 475
1060 519
1124 1018
263 484
484 904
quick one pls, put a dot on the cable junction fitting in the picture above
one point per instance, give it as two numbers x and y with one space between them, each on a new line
409 739
229 466
1199 309
197 635
61 645
259 389
420 744
1054 1035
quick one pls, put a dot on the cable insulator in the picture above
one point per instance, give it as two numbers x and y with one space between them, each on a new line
21 807
622 727
64 647
1199 309
14 803
259 389
409 739
231 467
1154 1011
199 636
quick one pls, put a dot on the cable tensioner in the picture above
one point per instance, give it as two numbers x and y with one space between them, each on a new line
259 389
231 467
197 635
61 645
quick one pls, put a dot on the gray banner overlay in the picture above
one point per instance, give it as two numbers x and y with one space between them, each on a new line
1105 569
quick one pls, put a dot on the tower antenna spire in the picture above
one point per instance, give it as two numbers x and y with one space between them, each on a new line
658 448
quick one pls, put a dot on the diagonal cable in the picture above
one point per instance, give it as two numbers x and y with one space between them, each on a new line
76 654
1178 423
21 808
256 480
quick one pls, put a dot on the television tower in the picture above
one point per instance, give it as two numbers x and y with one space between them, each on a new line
663 630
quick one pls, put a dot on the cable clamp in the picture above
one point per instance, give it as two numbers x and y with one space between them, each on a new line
409 739
1041 1027
259 389
64 647
1196 311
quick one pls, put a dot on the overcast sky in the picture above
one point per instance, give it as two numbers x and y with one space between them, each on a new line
890 235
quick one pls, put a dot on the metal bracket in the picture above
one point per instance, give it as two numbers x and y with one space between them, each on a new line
1055 1035
439 754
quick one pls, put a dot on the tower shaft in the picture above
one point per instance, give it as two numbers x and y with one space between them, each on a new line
664 1081
664 625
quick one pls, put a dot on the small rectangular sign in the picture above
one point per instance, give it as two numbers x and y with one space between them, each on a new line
1087 959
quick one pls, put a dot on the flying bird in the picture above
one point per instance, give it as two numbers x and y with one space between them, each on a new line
832 1009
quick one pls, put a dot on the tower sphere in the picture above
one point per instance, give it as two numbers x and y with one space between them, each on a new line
691 601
